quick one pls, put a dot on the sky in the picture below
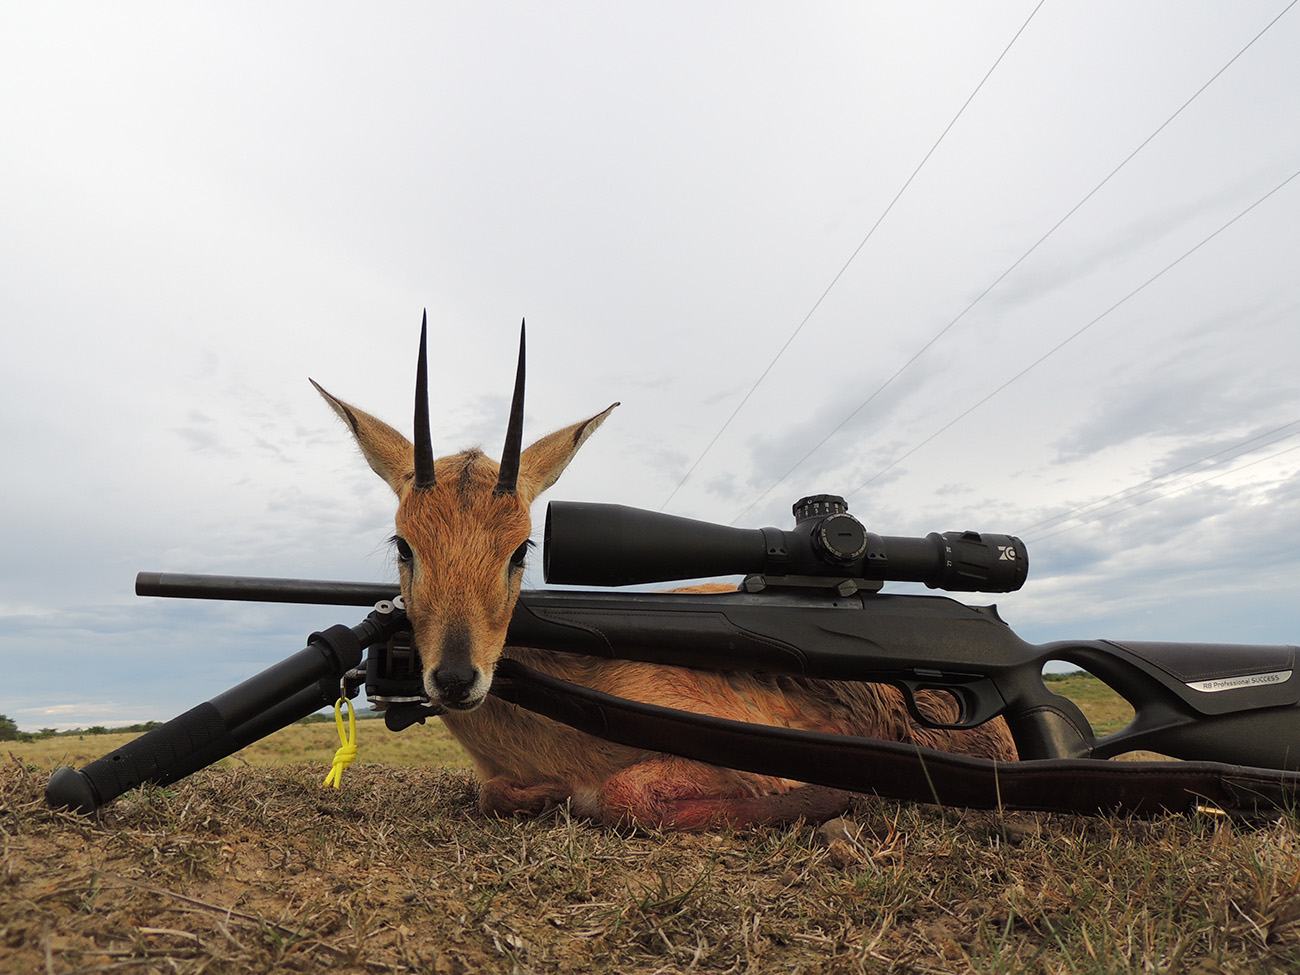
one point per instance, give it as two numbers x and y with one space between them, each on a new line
1014 267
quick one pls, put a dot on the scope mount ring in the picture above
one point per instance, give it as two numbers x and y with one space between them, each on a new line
845 586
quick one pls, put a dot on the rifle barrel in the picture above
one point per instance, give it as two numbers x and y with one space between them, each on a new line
265 590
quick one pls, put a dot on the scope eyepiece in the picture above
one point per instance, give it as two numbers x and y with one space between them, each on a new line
979 562
590 544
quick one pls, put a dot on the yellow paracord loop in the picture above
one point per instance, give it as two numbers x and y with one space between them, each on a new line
348 739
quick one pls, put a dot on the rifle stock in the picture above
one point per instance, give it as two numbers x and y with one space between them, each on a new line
1207 702
1202 702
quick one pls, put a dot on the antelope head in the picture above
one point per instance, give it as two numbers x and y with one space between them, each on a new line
462 532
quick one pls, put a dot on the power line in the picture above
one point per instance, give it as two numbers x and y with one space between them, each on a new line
1015 264
1074 335
1158 497
1151 483
856 251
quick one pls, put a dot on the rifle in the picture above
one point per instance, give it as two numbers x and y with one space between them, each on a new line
810 606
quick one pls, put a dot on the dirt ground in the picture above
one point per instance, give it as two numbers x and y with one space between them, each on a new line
249 869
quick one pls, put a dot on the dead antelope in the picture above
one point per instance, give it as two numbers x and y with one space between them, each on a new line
462 535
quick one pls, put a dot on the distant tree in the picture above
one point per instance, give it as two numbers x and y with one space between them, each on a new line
8 729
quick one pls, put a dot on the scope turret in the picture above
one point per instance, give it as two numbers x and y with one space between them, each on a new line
591 544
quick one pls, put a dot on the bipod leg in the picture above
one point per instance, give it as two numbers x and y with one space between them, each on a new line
279 695
308 701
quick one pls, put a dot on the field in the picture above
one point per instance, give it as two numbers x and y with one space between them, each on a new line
254 867
313 743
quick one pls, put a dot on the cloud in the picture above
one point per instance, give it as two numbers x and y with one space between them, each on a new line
206 208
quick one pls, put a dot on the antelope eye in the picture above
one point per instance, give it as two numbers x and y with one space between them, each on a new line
521 553
404 553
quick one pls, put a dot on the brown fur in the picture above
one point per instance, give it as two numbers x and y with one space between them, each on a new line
461 581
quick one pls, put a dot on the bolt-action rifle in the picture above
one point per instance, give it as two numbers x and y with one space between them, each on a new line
810 605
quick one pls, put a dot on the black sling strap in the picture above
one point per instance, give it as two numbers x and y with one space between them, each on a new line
904 771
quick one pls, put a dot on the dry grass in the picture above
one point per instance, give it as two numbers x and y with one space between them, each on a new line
258 868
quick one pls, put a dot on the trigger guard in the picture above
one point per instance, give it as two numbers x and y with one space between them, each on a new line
978 700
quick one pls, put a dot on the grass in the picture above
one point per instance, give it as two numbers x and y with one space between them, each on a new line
253 867
313 743
1106 710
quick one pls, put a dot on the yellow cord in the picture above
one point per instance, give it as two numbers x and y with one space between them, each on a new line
348 742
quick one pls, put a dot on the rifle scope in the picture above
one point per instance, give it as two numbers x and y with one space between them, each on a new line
588 544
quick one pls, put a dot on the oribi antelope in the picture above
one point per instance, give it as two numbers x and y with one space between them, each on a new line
462 536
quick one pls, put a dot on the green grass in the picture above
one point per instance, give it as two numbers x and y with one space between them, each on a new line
1105 710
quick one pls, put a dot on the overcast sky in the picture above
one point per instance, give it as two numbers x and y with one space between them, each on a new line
201 205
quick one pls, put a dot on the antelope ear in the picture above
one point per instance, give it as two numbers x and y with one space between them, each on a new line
541 465
389 454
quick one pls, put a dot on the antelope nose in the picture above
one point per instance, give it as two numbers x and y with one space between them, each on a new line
454 683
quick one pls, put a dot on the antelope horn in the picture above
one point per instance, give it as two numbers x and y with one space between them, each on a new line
509 477
423 441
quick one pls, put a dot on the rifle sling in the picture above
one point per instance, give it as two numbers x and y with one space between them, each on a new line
898 770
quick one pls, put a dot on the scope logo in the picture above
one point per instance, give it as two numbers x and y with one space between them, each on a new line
1006 553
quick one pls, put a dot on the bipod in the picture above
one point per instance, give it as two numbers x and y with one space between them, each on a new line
285 692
